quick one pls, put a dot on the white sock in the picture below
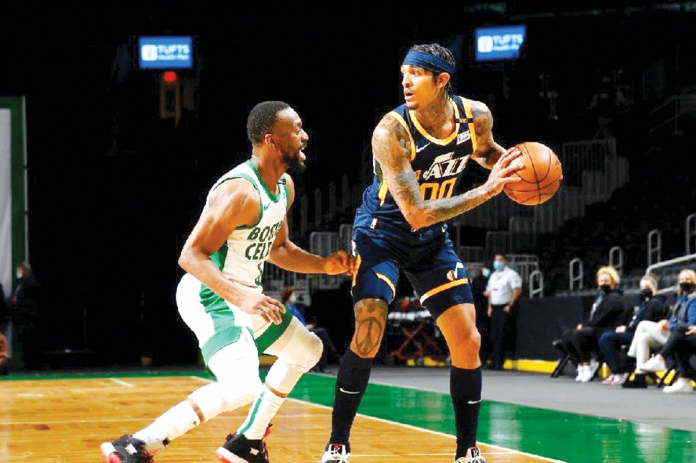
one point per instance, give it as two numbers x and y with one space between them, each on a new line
262 412
172 424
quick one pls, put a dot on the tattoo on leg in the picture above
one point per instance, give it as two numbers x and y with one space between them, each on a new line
370 317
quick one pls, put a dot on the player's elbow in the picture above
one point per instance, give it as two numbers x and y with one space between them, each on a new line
185 259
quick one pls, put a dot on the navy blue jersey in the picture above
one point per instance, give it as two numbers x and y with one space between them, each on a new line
438 164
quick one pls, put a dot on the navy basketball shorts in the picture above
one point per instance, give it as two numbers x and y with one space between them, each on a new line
433 268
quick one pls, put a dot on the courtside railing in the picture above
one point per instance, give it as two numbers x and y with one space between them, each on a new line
654 247
616 259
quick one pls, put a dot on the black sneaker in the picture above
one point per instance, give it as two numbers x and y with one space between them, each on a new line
126 449
239 449
638 382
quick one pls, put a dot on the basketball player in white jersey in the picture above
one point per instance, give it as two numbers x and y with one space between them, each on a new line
220 298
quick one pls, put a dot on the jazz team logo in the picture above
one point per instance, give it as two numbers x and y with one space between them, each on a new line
445 166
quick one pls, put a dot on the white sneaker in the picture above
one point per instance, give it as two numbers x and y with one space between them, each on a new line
656 363
581 372
682 385
473 455
610 379
335 453
590 371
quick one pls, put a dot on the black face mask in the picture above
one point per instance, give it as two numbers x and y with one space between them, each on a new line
605 289
646 294
686 287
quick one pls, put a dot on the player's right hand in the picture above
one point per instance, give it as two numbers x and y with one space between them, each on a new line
267 307
503 172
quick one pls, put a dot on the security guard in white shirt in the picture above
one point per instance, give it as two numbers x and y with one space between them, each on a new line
504 287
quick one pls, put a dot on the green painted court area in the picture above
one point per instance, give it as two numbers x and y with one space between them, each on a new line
558 435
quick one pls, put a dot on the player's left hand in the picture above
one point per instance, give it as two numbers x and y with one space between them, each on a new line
691 331
339 263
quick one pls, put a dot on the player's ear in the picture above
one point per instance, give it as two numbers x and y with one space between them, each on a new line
270 139
443 79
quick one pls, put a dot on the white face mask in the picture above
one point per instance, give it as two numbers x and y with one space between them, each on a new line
19 275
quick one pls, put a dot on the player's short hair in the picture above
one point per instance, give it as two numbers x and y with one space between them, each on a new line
611 271
261 119
441 52
690 273
651 279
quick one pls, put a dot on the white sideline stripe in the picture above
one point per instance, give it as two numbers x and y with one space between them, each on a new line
122 383
438 433
415 428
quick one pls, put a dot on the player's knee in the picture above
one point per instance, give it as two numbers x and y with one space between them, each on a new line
304 351
469 340
315 349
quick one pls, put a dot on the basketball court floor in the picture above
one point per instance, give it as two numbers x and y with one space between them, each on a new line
64 419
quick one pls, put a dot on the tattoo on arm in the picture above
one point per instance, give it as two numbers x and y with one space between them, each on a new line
440 210
487 151
391 146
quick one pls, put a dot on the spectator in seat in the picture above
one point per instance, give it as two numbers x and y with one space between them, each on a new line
651 335
651 307
681 343
289 299
605 315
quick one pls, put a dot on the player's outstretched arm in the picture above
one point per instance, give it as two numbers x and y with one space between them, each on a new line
233 204
391 146
287 255
487 150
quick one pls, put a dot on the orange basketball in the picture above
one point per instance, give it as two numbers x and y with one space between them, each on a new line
541 177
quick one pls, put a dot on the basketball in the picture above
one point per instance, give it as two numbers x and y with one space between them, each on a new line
541 177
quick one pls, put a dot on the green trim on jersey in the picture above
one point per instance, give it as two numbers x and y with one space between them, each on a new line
226 332
253 183
273 332
208 297
287 194
274 198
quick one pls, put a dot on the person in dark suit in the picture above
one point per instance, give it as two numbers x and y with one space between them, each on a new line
651 307
25 316
604 316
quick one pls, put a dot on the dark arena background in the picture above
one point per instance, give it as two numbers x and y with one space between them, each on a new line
105 166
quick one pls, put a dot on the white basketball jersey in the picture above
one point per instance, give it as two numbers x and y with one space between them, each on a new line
242 257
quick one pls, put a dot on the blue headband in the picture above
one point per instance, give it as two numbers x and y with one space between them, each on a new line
429 62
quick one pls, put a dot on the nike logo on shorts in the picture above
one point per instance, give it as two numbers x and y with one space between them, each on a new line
472 402
348 392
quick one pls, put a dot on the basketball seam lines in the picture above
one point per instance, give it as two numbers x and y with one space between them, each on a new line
548 169
531 159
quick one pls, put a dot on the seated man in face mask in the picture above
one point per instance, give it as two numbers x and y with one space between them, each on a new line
651 307
604 316
668 335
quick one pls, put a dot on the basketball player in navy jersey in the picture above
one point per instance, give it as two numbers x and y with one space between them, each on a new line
421 150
